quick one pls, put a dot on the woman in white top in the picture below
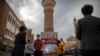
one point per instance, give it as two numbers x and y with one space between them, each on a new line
28 49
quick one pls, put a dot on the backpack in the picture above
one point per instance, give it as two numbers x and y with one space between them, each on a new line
38 45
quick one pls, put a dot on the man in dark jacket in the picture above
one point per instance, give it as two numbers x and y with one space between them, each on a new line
88 32
20 41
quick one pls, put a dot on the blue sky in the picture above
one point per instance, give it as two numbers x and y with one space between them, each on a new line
31 12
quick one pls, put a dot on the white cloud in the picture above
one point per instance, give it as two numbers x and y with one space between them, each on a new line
26 14
30 12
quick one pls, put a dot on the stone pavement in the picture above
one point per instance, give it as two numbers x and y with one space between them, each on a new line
4 54
9 54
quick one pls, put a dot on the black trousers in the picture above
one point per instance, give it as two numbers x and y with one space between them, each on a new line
90 53
60 54
28 54
17 54
38 53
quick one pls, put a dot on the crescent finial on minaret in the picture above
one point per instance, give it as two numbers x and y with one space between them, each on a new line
74 18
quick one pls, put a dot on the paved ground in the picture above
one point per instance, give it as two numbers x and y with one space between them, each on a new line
4 54
9 54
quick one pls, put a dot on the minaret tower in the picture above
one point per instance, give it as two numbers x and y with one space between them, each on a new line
48 6
75 24
77 41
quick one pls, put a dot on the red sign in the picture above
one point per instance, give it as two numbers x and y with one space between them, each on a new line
49 41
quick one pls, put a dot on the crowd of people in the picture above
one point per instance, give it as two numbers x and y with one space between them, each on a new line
21 47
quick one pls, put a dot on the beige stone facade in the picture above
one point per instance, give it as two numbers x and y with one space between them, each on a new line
48 15
30 36
73 40
9 24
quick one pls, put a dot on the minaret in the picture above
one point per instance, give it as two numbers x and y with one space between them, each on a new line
48 6
77 41
75 24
